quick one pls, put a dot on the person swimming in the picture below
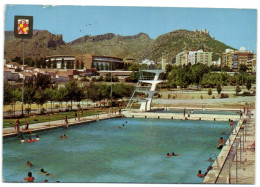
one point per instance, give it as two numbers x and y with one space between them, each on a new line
64 136
61 137
29 140
123 125
200 175
44 172
22 140
30 178
210 159
168 154
29 164
37 137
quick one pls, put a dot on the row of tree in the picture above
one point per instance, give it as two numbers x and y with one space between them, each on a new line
41 92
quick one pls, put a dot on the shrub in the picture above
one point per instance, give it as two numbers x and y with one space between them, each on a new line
224 96
209 91
247 94
43 110
213 97
57 106
219 89
28 110
238 89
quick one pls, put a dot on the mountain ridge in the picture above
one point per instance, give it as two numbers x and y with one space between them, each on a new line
139 46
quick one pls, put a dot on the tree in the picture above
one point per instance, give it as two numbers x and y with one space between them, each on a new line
101 67
49 63
209 91
75 92
248 84
77 64
40 97
238 89
42 81
81 65
134 67
62 64
7 93
242 68
219 89
54 64
226 69
17 96
29 61
43 63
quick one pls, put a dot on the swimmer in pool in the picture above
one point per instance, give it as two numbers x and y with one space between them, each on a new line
64 136
210 159
123 125
22 140
44 172
29 164
125 121
172 154
37 137
61 137
168 154
30 178
200 175
29 140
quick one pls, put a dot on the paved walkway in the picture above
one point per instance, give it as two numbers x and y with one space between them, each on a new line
245 164
10 131
180 116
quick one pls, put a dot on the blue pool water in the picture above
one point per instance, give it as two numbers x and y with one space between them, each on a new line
102 152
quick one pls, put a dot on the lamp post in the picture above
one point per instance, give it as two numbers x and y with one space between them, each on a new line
23 29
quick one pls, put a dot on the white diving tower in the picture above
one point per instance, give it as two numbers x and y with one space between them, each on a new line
150 90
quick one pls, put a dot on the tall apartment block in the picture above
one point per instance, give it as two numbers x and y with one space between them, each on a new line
233 58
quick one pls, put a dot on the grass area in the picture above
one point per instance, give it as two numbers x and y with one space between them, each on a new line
51 117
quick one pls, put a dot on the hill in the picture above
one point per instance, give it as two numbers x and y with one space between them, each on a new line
138 46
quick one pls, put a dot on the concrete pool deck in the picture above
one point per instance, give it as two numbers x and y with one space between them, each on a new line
180 116
240 172
10 131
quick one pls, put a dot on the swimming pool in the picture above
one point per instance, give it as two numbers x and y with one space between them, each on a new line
102 152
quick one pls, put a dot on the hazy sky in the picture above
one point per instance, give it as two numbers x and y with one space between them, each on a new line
234 27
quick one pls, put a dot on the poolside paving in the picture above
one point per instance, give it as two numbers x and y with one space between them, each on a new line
245 173
10 131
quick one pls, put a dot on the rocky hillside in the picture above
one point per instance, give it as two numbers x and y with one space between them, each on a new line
138 46
174 42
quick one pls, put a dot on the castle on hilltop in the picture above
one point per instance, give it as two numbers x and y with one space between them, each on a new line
203 31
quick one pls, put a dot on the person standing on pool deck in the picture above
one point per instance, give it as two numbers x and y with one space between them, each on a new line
66 122
184 112
241 114
231 125
30 178
17 125
75 114
189 113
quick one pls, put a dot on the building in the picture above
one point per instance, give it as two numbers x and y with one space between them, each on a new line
182 58
61 61
10 76
13 65
85 61
122 75
193 57
251 65
233 58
